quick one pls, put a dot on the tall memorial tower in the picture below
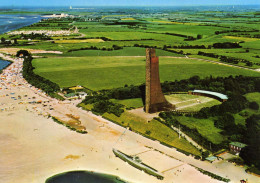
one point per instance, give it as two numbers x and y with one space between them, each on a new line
154 98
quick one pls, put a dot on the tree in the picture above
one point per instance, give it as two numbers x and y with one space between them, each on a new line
194 80
2 40
253 105
250 154
227 122
15 41
205 154
199 36
24 53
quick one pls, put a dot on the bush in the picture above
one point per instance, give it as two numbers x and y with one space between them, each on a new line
253 105
34 79
226 45
23 53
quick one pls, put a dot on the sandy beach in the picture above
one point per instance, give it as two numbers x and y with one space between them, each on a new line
33 147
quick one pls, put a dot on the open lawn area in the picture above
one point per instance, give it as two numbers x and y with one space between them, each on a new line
182 102
204 126
253 97
108 72
130 103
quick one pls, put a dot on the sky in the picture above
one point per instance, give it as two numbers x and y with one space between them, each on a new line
124 2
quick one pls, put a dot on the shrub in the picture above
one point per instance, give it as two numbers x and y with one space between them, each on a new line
253 105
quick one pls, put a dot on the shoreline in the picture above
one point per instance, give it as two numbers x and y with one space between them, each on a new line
100 174
34 18
47 149
8 59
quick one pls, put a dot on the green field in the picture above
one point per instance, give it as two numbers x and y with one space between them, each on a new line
182 101
151 30
130 103
204 126
111 72
253 97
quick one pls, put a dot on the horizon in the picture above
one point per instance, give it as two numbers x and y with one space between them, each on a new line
130 3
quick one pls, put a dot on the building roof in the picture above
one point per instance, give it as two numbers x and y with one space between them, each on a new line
76 88
70 95
211 158
238 144
219 95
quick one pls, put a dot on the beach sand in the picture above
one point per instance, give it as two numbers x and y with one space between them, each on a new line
34 148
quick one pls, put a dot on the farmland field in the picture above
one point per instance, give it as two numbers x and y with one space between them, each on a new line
205 127
115 71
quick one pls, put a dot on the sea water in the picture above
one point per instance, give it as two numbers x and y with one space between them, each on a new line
3 64
83 177
13 22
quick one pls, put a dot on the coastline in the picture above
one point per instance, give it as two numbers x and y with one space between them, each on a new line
46 148
7 59
81 175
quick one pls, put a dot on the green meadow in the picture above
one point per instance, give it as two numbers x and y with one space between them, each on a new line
205 127
106 72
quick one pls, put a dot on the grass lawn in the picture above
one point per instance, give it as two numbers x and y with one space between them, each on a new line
191 102
133 103
157 130
111 72
79 41
87 107
199 106
253 97
204 126
185 101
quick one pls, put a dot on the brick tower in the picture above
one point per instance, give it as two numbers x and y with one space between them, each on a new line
154 98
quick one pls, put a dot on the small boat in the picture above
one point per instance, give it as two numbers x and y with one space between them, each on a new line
136 162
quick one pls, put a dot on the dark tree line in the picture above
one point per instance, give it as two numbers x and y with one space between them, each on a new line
101 105
114 47
34 79
226 45
250 153
35 36
227 31
228 59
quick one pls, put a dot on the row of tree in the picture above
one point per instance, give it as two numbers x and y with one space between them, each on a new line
227 31
34 79
7 42
102 104
35 36
228 59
